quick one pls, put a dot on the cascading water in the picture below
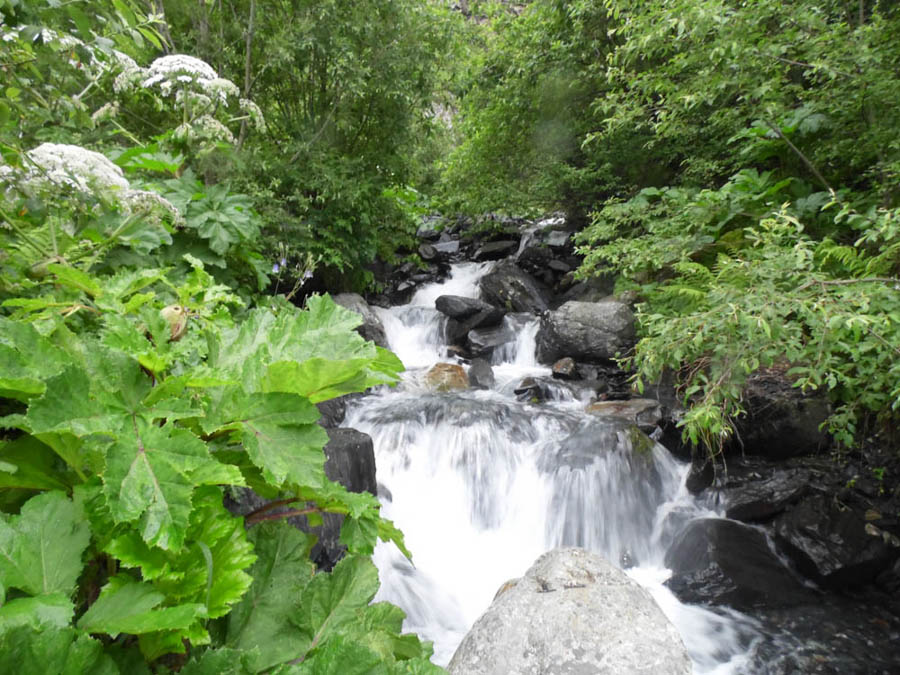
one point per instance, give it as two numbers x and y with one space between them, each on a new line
481 484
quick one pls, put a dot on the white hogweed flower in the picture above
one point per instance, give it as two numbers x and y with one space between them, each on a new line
71 166
64 168
166 71
63 40
252 111
151 205
221 89
106 111
210 128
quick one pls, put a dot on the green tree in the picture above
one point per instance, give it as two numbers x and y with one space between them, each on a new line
347 91
136 390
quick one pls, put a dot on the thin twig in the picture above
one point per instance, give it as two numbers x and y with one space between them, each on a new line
282 514
803 158
846 282
271 505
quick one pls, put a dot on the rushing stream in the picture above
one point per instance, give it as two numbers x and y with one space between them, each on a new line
482 484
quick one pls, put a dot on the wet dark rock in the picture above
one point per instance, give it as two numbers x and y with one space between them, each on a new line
762 500
540 389
333 411
722 562
573 612
461 309
534 258
781 421
834 636
371 328
427 252
511 289
481 375
559 267
701 475
483 341
566 369
834 544
402 293
447 248
457 329
350 460
590 331
495 250
594 289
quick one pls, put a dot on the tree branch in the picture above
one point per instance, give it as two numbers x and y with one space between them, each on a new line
846 282
804 159
248 74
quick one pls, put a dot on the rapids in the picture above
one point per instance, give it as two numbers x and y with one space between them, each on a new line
481 484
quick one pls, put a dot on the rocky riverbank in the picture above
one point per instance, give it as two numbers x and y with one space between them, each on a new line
812 545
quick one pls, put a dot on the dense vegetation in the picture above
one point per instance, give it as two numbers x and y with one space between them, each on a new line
171 170
737 163
144 378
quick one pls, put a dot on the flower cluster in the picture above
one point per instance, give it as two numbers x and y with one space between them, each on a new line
72 167
173 72
151 205
249 108
66 168
205 128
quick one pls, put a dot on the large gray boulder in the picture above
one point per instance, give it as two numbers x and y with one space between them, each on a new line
586 331
371 328
573 613
511 289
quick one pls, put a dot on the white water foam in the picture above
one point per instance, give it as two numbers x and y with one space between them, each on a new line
482 484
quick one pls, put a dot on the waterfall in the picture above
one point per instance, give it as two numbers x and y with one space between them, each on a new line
481 484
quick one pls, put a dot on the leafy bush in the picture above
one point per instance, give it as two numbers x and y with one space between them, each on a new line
137 389
131 420
772 297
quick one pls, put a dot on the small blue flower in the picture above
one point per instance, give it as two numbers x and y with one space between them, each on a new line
275 268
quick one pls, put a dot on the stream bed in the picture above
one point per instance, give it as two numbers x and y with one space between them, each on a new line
482 483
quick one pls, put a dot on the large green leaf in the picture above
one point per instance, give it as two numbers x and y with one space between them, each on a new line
40 549
209 568
53 610
27 358
151 474
262 618
30 465
330 601
221 662
128 606
324 330
340 656
278 432
318 379
62 651
71 405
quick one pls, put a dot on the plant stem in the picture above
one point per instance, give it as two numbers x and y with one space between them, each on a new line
282 514
19 231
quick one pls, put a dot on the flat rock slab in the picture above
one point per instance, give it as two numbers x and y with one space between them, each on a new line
573 613
644 412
